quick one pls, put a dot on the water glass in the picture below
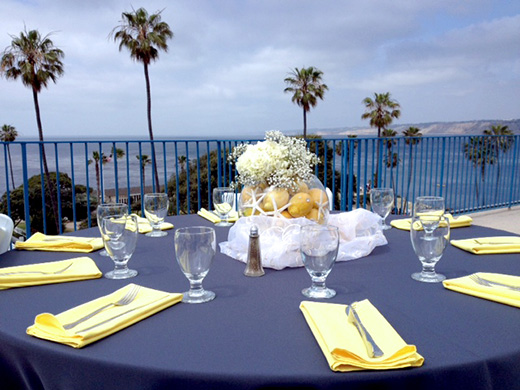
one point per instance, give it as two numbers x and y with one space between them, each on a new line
429 247
430 209
195 248
155 210
121 239
223 202
109 210
382 201
319 248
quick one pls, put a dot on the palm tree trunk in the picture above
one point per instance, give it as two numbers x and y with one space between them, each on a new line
150 131
10 165
98 182
50 188
304 123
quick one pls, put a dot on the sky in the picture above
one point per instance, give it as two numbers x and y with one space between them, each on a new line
223 75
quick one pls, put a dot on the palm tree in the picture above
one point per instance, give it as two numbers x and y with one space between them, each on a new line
96 158
182 162
144 35
412 137
306 87
479 150
502 142
145 160
36 61
381 111
392 159
9 134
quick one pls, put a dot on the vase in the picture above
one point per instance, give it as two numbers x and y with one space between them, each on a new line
309 200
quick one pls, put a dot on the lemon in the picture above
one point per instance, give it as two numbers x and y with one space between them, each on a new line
318 197
278 197
300 205
286 214
316 215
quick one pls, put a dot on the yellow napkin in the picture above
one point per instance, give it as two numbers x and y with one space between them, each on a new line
489 245
232 217
147 302
342 344
52 272
145 227
42 242
498 294
460 221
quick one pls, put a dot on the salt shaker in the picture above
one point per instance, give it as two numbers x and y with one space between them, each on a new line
254 257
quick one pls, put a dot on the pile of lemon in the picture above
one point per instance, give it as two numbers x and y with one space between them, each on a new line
311 203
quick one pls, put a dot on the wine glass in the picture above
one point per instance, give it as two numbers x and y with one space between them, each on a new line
382 201
109 209
195 248
156 209
429 248
319 248
223 202
120 242
430 209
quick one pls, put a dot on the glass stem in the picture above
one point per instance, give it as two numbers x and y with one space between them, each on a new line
196 287
319 283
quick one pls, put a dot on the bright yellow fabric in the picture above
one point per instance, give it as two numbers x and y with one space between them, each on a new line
498 294
232 217
42 242
489 245
461 221
145 227
342 344
147 302
80 268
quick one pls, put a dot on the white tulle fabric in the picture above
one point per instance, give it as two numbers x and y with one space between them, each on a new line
360 232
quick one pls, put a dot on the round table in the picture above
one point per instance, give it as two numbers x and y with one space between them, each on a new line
253 334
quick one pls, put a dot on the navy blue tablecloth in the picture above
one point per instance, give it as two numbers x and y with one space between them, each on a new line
253 334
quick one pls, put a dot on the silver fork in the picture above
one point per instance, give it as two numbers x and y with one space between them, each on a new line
489 283
125 300
38 272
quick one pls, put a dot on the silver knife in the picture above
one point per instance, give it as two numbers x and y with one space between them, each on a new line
372 348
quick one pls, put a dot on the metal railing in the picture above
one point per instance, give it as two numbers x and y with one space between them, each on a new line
472 173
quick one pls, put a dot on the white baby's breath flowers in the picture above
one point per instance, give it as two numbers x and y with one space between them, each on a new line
279 161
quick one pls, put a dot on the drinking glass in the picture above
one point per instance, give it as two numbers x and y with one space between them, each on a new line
223 202
382 201
106 210
156 209
429 248
430 209
319 248
195 248
120 242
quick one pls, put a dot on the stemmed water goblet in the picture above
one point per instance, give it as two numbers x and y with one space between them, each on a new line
223 202
319 248
109 210
382 201
430 209
195 248
120 242
155 210
429 247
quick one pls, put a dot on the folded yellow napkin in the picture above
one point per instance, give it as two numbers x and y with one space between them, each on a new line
489 245
460 221
495 293
42 242
232 217
114 318
342 344
145 227
52 272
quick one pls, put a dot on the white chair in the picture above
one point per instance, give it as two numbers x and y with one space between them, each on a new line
6 233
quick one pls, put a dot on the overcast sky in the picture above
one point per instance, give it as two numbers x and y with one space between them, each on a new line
442 60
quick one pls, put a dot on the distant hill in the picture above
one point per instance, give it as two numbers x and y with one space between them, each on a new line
432 128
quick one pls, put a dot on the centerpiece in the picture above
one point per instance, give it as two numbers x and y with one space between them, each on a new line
276 179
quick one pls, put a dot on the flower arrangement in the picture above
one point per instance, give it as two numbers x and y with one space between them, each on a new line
277 179
279 161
